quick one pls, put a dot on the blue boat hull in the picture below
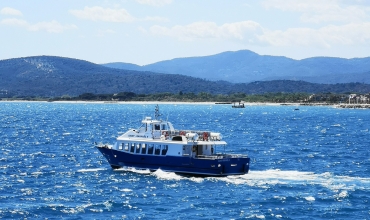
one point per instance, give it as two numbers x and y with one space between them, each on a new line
182 165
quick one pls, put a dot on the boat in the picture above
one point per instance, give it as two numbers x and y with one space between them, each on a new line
156 144
239 105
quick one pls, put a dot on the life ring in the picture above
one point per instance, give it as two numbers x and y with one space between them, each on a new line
182 133
165 133
205 136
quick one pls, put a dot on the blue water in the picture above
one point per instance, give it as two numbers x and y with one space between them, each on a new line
308 164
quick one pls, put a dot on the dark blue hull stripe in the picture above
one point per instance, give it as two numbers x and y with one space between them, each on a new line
177 164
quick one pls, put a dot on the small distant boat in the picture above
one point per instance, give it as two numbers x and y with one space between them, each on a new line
156 144
238 104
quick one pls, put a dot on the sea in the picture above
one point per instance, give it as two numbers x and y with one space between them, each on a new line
311 163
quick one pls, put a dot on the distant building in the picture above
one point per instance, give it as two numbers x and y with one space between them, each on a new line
352 98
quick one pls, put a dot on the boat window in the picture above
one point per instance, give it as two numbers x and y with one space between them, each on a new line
164 149
157 127
126 147
132 149
143 148
177 138
164 127
120 147
157 150
142 127
150 148
137 148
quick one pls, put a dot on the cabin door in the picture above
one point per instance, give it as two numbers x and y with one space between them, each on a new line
186 150
156 131
199 150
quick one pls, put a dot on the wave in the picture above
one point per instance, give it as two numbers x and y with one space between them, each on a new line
91 170
160 174
132 169
267 178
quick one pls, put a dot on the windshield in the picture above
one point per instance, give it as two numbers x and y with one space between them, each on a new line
142 127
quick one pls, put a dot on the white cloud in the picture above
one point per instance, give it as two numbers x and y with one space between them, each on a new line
349 24
51 27
10 11
293 37
102 33
317 11
155 18
157 3
245 30
252 33
97 13
14 22
326 37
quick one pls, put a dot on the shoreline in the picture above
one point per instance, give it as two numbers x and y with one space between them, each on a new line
136 102
173 103
335 105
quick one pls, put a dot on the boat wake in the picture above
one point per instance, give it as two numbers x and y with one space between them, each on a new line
134 170
91 170
265 179
163 175
270 178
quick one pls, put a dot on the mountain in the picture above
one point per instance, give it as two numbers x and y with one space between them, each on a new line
50 76
246 66
124 66
56 76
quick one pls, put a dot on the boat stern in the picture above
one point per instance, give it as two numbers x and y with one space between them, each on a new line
235 166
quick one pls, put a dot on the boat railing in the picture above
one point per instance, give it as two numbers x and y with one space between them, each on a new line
221 156
235 155
210 156
108 146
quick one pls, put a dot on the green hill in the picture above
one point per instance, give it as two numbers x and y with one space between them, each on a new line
49 76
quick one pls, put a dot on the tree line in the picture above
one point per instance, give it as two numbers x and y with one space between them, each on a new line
279 97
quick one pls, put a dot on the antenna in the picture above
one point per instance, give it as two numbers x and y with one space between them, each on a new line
157 114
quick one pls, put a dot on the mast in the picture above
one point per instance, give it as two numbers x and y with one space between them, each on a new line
157 114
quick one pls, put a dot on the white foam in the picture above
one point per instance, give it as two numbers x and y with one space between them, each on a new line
125 190
160 174
132 169
265 179
90 170
310 198
145 171
343 194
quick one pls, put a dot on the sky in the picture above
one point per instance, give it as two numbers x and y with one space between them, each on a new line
147 31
